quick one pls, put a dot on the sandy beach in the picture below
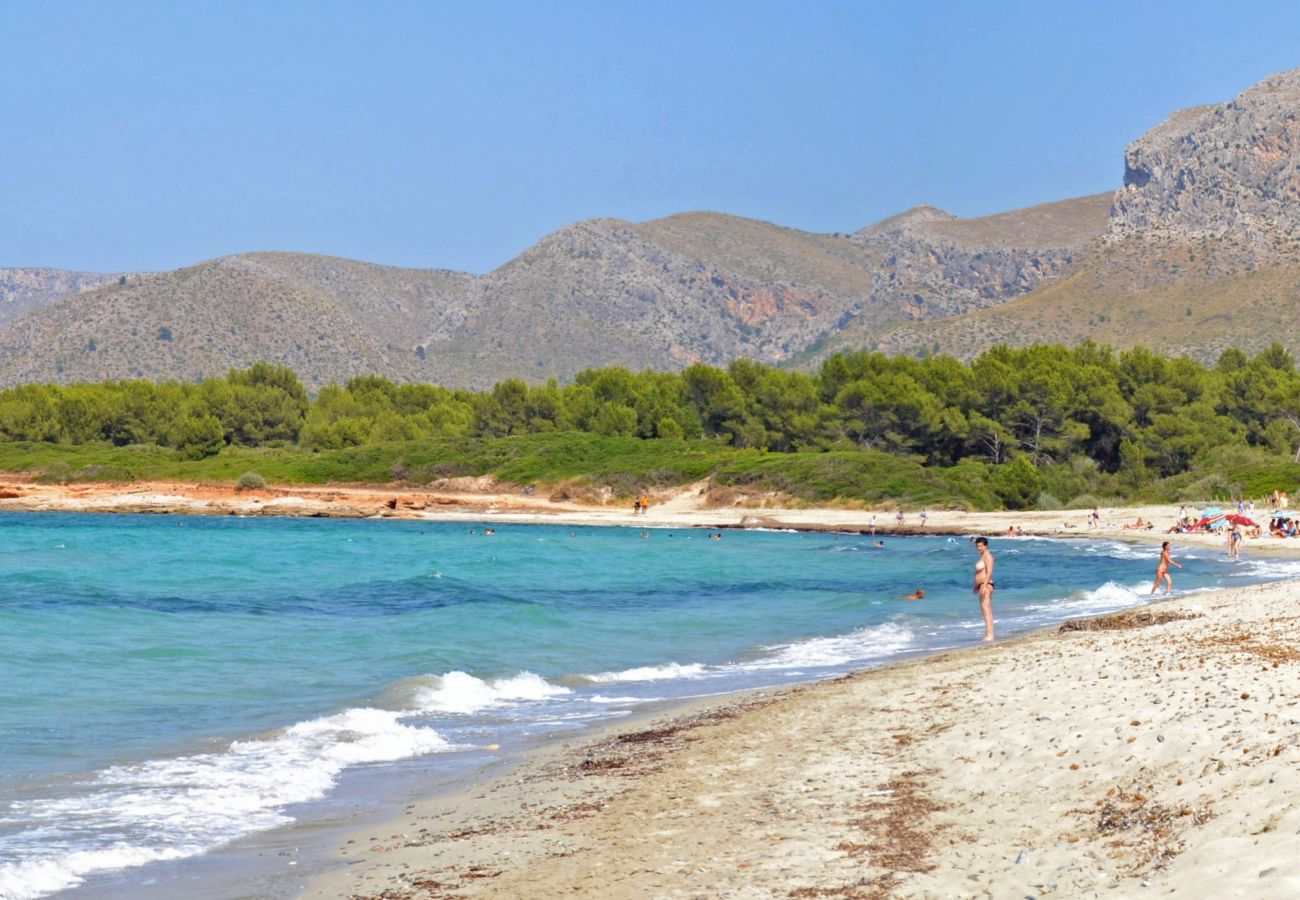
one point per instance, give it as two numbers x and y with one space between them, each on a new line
1151 752
693 506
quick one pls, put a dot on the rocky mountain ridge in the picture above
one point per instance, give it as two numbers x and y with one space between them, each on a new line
660 294
1201 250
1208 201
1217 170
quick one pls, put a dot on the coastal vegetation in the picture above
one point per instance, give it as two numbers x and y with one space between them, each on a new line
1039 427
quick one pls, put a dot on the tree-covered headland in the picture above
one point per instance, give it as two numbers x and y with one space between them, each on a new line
1043 426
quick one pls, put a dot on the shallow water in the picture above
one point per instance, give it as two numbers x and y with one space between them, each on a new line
170 684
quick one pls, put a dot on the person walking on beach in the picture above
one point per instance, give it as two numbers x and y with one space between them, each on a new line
1234 542
984 584
1162 570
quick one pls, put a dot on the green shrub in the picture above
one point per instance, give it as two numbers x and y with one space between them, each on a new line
250 481
62 473
1047 502
1017 483
1093 501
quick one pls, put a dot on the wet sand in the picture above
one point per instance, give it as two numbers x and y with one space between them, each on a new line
1154 754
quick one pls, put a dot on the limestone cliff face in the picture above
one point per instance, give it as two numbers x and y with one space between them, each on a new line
605 290
1210 171
935 264
1201 249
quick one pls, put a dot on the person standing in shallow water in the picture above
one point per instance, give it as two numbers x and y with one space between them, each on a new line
1162 570
984 584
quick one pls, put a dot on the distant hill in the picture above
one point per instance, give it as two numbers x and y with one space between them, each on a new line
23 290
661 294
325 317
1199 249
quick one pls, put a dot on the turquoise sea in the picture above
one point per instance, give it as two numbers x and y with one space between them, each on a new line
171 684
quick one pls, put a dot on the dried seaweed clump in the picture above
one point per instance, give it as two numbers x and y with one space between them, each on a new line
897 822
1126 621
1145 833
1271 648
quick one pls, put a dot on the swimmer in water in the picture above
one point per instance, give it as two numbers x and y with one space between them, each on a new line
984 584
918 595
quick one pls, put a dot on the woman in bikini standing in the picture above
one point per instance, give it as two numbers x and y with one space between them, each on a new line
984 584
1162 570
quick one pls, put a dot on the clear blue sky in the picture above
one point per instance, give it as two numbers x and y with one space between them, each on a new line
140 136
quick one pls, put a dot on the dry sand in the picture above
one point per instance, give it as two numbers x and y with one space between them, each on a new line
1155 757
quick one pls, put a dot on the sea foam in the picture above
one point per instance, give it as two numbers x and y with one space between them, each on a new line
38 876
649 673
836 650
1106 598
172 808
460 692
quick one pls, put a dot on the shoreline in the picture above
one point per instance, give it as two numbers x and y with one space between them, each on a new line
889 782
479 500
252 864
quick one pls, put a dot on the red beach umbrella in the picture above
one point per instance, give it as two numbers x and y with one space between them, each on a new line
1238 519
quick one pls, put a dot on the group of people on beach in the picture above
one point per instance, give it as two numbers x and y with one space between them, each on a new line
984 579
900 519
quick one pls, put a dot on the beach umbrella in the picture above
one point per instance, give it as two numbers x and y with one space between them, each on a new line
1238 519
1210 512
